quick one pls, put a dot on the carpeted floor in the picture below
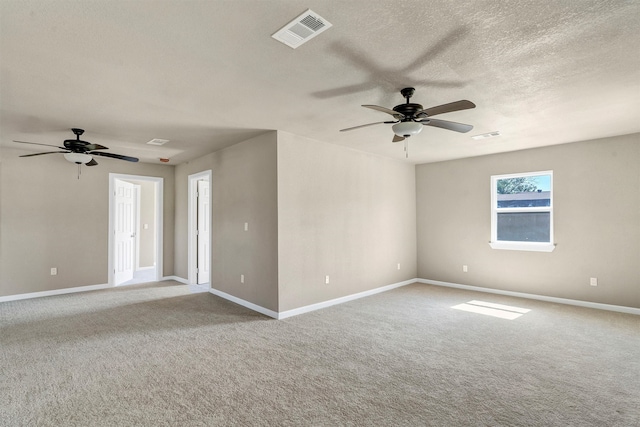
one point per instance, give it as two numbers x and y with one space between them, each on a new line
158 355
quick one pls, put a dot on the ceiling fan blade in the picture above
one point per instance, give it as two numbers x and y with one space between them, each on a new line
444 124
91 163
397 138
91 147
73 144
37 143
40 154
386 110
362 126
113 156
448 108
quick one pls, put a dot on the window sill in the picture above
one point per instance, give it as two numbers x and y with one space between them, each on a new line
523 246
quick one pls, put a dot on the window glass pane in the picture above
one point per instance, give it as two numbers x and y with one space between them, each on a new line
524 191
524 227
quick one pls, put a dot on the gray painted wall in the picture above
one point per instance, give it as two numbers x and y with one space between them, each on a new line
49 218
317 209
244 189
313 209
342 213
596 216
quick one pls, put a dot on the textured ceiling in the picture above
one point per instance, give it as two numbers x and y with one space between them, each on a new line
207 74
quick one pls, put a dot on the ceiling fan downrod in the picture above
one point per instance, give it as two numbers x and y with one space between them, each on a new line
407 93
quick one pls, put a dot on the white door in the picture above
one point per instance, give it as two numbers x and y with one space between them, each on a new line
124 232
204 221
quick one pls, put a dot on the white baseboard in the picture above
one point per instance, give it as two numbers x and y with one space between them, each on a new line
329 303
588 304
300 310
53 292
176 278
75 289
244 303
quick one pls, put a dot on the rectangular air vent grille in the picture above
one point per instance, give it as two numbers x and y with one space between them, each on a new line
302 29
312 22
487 135
157 141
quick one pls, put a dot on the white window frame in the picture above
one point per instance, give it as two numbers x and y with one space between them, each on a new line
520 246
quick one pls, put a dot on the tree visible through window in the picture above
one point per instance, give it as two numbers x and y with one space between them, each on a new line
521 211
522 184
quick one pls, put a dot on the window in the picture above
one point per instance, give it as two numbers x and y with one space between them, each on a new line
522 211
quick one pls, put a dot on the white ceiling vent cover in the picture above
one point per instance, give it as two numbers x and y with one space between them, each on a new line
302 29
157 141
487 135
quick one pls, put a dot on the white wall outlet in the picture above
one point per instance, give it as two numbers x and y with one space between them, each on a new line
326 280
593 281
246 226
398 266
465 269
146 226
54 271
242 278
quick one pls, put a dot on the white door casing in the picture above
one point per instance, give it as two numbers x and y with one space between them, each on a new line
137 191
124 232
194 252
204 221
158 208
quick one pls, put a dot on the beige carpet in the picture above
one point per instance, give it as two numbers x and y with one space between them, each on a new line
157 355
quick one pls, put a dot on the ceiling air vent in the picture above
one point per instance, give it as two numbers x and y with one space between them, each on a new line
157 141
302 29
487 135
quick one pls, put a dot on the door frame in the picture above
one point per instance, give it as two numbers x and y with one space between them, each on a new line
159 203
136 210
192 225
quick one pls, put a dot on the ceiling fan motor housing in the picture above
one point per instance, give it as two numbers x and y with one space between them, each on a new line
408 110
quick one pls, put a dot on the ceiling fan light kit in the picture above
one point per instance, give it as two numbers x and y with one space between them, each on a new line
407 129
78 158
410 118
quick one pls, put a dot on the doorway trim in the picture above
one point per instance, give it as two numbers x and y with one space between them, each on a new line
192 224
159 220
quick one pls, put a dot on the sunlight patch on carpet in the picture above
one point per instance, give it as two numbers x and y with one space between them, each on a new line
491 309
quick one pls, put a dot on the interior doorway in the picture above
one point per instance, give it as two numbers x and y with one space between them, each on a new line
199 225
135 229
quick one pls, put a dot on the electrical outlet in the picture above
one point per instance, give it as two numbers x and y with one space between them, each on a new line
246 226
326 280
54 271
465 269
398 266
242 278
593 281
